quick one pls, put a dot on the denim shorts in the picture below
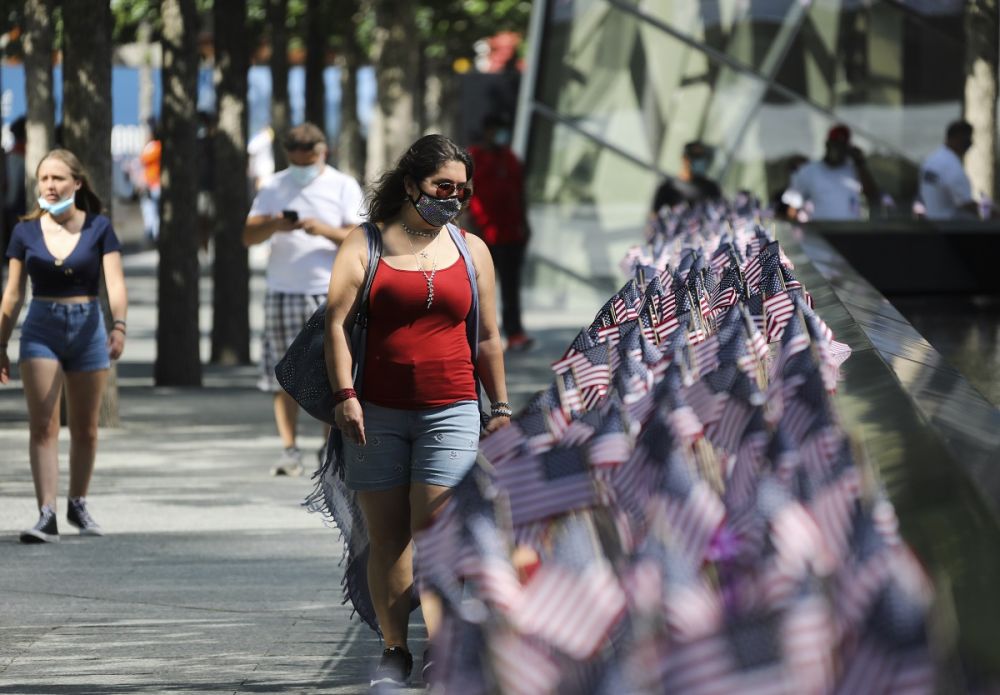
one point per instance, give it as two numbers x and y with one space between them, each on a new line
437 446
73 334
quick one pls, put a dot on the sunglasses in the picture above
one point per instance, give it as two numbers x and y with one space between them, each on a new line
299 147
449 189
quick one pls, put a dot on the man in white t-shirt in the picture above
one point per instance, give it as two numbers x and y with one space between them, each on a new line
304 213
945 190
831 188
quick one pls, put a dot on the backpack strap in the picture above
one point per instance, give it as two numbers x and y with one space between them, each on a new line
359 331
472 319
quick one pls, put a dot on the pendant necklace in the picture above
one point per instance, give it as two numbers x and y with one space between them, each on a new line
429 277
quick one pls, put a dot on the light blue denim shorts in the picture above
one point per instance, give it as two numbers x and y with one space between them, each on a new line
73 334
436 446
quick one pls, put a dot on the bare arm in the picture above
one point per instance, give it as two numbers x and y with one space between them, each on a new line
489 363
10 308
114 278
260 228
342 299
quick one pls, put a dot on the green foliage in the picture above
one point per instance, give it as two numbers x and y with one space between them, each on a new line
449 28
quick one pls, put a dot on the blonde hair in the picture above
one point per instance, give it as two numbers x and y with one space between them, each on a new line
85 198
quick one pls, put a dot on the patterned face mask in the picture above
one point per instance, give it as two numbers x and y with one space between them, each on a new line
437 212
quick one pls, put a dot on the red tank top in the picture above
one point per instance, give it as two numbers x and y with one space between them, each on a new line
416 357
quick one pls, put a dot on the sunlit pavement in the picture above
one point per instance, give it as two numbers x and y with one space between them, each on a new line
212 577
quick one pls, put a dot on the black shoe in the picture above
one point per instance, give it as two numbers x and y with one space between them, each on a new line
45 531
427 670
79 516
394 669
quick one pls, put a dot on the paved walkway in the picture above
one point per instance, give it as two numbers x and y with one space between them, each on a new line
213 579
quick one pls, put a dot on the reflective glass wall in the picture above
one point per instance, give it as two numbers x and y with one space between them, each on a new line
621 85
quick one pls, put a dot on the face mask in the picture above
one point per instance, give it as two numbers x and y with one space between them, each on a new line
699 166
502 138
56 208
302 176
437 212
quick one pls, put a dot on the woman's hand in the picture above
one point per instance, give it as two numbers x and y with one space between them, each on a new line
4 368
116 344
350 420
495 423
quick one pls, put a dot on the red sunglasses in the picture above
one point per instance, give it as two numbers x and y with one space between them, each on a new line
448 189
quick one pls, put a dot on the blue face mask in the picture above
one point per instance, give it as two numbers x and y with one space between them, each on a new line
56 208
699 166
302 176
502 138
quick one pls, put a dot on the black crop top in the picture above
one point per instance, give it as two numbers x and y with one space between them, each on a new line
77 274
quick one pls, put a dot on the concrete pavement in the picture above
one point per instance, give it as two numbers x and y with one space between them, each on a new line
212 578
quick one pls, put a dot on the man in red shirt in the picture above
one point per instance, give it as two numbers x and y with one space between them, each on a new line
498 214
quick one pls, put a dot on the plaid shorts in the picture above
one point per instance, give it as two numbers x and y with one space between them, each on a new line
284 316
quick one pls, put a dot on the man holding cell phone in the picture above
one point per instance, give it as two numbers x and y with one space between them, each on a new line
303 213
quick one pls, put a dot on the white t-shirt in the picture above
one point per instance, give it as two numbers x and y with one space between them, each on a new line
299 262
833 192
944 185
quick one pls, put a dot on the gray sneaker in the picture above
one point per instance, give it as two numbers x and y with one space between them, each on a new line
78 515
290 463
46 530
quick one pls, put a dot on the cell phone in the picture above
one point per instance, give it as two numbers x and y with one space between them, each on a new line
290 215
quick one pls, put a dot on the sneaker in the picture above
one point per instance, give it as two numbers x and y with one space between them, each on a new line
519 342
79 516
45 531
427 670
289 464
394 669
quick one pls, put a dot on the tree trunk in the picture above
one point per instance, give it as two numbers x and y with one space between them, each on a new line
441 94
37 42
178 361
277 11
980 105
350 143
230 271
315 62
394 122
87 130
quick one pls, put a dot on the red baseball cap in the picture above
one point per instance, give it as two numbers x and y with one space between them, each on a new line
839 133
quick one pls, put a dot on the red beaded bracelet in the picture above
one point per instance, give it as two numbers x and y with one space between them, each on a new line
344 394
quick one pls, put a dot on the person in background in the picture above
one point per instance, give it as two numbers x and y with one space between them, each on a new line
63 246
945 190
15 197
498 215
304 213
260 161
692 184
412 433
831 188
782 199
150 158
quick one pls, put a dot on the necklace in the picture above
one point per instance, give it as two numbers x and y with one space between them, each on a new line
429 277
418 232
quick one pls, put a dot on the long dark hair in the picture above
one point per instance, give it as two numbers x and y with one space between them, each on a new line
85 198
428 154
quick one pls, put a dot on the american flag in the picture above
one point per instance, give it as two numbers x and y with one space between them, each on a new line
689 507
583 342
778 309
611 444
547 483
521 665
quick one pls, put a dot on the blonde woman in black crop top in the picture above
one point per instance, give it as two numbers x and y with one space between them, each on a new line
63 246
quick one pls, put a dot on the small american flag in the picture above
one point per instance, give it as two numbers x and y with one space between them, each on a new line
547 483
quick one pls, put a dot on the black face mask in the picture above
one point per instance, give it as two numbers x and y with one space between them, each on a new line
437 212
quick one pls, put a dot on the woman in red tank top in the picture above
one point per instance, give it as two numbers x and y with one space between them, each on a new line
412 432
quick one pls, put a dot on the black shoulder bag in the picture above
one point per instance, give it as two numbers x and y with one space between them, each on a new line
302 370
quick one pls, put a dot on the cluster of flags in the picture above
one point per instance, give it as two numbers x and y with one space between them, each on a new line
681 510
